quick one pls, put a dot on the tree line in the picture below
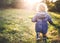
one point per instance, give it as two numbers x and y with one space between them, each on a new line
53 6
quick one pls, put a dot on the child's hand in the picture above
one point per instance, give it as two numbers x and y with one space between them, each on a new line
56 26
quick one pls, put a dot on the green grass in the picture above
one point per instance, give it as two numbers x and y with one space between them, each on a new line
16 25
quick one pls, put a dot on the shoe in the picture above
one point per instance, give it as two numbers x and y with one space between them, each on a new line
38 39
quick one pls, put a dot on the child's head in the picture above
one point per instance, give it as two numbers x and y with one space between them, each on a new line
42 7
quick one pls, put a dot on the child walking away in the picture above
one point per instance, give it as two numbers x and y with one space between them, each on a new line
41 18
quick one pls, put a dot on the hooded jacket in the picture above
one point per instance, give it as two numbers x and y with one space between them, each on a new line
41 19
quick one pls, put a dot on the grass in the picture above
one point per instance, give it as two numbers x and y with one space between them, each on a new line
16 24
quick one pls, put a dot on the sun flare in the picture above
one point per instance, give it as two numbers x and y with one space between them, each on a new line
32 1
53 0
31 4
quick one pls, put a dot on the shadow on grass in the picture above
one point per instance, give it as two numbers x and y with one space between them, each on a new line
56 26
41 41
55 41
37 41
3 40
2 29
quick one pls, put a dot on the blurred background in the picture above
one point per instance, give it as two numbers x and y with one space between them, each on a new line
16 25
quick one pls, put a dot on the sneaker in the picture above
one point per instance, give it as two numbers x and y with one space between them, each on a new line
38 39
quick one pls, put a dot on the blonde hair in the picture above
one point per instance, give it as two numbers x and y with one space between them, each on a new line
42 4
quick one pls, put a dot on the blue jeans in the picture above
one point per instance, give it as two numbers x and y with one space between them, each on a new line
37 35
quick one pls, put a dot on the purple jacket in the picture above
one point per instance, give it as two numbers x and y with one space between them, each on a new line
41 19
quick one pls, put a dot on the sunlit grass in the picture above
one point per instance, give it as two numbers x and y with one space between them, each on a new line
20 20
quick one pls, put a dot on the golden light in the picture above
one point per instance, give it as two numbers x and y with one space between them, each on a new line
53 0
30 3
33 1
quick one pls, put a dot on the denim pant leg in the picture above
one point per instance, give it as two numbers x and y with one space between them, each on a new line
38 35
45 39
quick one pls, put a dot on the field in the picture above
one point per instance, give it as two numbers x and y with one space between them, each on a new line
16 26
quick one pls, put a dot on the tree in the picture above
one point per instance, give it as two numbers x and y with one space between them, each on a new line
54 6
11 3
57 5
5 3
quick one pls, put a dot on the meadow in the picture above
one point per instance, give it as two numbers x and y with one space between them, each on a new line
16 26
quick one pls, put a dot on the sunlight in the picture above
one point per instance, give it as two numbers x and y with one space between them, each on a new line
33 1
53 0
30 3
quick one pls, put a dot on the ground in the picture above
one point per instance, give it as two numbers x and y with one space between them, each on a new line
19 20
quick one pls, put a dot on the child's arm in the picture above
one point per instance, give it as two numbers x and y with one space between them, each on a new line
50 20
34 19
